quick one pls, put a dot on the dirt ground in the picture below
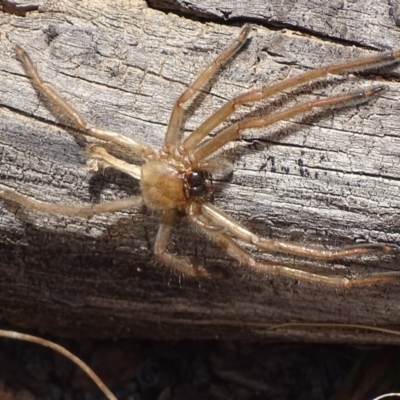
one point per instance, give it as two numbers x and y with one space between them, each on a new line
220 370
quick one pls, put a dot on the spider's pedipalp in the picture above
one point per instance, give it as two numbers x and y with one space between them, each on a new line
99 158
180 264
194 213
217 166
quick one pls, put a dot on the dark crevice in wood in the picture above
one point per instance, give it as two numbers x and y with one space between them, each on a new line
195 14
10 7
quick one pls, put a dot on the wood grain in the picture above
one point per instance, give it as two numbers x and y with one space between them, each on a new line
331 178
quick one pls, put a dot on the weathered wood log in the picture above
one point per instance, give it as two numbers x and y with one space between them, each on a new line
330 178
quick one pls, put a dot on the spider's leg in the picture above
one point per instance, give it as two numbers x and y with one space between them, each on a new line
234 131
173 132
180 264
135 145
225 111
272 268
75 211
218 218
99 158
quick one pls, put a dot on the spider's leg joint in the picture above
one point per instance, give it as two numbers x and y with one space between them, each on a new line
346 281
166 149
191 157
92 165
181 150
254 239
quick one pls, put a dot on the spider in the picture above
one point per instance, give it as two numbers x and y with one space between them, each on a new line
177 178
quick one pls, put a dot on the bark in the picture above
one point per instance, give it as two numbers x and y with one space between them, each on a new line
331 178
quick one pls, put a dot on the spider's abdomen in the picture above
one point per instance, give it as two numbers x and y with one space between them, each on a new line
163 186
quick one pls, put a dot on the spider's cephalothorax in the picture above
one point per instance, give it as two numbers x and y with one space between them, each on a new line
166 186
174 178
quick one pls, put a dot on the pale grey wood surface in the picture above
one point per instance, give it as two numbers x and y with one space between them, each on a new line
331 178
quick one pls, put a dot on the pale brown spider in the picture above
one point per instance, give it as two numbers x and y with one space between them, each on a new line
177 177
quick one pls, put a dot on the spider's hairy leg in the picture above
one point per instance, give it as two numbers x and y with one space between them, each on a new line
282 269
234 131
180 264
218 218
173 132
135 145
74 211
229 108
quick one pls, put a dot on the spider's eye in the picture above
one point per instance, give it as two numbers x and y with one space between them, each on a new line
197 183
196 178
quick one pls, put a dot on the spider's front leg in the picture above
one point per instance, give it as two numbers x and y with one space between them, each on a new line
174 127
192 141
233 132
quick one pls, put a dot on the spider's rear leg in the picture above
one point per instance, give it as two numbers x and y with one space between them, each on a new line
135 145
180 264
272 268
218 218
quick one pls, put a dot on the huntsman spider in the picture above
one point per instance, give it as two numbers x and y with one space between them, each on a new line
177 178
